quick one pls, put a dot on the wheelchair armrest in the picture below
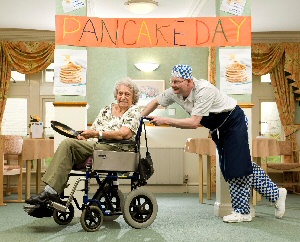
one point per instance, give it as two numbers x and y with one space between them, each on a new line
113 141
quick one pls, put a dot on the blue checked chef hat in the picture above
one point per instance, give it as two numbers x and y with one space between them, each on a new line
182 71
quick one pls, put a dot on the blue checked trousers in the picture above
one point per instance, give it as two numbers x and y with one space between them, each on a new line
240 189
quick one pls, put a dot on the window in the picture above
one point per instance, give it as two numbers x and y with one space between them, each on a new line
29 96
266 78
270 124
270 121
15 117
17 77
49 73
48 117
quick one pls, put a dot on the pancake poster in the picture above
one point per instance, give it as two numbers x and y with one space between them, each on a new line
235 70
70 72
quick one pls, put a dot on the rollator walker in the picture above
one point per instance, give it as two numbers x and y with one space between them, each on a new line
139 208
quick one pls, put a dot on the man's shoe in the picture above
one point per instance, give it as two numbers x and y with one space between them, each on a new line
280 203
43 197
235 217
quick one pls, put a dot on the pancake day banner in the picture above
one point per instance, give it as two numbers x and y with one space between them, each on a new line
156 32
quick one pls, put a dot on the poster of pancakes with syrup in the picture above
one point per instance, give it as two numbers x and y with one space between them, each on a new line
235 70
70 72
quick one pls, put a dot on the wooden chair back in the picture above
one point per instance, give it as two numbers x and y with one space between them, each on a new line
10 148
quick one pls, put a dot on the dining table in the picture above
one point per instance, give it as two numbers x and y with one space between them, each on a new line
202 146
35 149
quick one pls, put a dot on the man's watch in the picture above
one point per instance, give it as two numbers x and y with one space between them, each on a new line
100 135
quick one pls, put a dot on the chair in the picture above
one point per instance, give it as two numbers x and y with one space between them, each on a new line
290 167
10 148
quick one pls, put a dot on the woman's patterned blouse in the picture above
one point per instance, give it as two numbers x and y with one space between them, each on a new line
106 121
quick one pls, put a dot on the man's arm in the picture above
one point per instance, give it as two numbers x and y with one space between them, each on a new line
186 123
150 107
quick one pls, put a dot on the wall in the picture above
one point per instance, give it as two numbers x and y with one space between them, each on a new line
108 65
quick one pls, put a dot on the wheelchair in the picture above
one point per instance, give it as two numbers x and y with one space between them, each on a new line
139 208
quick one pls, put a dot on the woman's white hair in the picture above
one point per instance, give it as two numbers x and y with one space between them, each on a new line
132 86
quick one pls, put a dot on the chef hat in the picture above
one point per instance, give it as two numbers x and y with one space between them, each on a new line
182 71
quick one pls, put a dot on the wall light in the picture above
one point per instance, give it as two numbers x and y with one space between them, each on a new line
140 6
146 66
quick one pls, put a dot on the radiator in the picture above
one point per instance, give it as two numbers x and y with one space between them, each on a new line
168 165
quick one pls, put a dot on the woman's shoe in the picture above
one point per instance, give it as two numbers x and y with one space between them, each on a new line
43 197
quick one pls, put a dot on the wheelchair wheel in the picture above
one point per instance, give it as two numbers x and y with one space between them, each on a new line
91 218
63 218
117 201
140 208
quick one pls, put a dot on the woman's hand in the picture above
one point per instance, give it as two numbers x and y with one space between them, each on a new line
80 137
87 134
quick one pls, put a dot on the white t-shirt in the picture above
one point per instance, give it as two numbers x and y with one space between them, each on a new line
204 98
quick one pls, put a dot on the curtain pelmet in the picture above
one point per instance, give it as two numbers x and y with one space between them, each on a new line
29 57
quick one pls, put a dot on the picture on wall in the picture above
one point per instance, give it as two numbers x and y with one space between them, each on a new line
149 89
235 70
70 72
71 5
235 7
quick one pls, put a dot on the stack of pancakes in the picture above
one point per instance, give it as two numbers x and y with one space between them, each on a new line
71 73
236 72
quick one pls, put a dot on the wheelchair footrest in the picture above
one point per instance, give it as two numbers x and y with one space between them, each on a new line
38 211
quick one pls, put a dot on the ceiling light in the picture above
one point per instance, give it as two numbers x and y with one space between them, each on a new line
140 6
146 66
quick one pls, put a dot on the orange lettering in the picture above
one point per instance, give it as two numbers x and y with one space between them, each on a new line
147 32
208 35
71 25
123 35
216 31
239 26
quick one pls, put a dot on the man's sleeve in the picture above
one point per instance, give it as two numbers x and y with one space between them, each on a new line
203 102
166 98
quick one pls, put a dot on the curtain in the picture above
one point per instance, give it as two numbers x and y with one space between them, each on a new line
212 65
212 75
25 57
5 70
282 61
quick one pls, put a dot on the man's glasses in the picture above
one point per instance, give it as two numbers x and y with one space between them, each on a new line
176 82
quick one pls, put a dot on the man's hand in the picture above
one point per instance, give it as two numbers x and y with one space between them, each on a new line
156 120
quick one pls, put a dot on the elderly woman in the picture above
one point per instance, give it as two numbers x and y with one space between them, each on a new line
116 121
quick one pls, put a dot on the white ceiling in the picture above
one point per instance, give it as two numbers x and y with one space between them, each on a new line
267 15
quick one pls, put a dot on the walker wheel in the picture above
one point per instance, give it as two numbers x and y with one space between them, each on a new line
140 208
91 218
63 218
116 200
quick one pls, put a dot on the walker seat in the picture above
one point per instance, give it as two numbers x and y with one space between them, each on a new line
115 161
